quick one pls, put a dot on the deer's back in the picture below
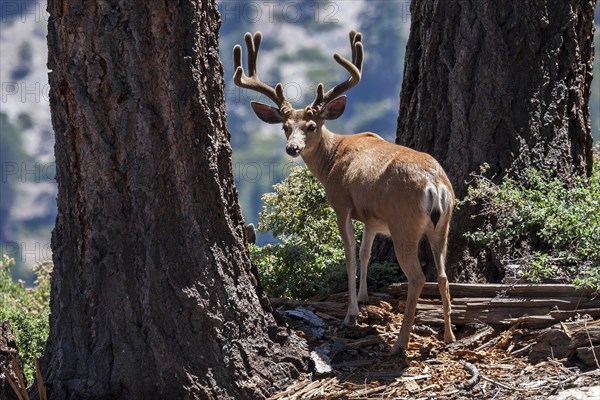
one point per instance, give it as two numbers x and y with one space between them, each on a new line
378 179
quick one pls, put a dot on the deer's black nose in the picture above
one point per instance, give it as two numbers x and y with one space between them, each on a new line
293 150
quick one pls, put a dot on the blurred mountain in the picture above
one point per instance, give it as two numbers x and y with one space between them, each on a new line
27 187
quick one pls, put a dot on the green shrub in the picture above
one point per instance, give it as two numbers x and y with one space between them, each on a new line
310 248
559 221
27 310
309 257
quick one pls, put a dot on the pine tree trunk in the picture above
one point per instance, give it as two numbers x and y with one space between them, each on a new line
502 83
152 294
8 351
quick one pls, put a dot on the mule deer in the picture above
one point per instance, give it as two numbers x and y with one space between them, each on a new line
392 189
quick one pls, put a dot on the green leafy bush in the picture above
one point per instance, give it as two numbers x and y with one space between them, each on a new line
309 257
27 310
560 221
310 247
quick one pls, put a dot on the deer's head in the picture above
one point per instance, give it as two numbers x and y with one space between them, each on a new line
302 127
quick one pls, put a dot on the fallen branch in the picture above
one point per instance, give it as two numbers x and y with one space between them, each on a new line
587 331
431 290
537 306
498 384
475 376
482 334
522 349
503 385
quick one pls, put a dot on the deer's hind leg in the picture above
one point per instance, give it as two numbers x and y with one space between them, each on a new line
438 240
406 247
347 233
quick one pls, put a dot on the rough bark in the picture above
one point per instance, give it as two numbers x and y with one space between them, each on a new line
8 351
152 293
502 83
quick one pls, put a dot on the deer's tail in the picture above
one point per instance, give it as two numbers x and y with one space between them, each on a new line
437 202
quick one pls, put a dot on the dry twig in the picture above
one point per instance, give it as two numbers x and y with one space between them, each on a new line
587 331
40 380
500 385
17 382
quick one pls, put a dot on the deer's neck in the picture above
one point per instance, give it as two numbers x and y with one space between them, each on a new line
319 159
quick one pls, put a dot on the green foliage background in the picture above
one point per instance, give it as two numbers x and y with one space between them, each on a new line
27 310
560 220
309 246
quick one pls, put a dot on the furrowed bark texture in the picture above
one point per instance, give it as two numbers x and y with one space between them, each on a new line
8 351
152 293
502 83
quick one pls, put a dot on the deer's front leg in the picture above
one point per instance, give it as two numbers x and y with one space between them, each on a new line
347 233
365 255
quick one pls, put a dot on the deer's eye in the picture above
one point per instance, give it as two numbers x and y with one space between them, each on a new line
311 127
287 129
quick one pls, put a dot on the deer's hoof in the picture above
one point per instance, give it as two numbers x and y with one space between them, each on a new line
350 321
449 338
397 351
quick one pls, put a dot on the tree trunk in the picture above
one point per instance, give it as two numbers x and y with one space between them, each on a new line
152 293
8 351
503 83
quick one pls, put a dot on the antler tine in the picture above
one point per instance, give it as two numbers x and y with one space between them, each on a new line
252 44
352 35
252 81
357 56
354 68
319 98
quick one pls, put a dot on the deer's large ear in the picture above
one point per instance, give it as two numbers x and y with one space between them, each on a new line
334 108
266 113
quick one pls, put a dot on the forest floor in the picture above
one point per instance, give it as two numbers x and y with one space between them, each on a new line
489 361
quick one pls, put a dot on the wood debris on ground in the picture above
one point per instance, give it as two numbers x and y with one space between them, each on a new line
548 345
